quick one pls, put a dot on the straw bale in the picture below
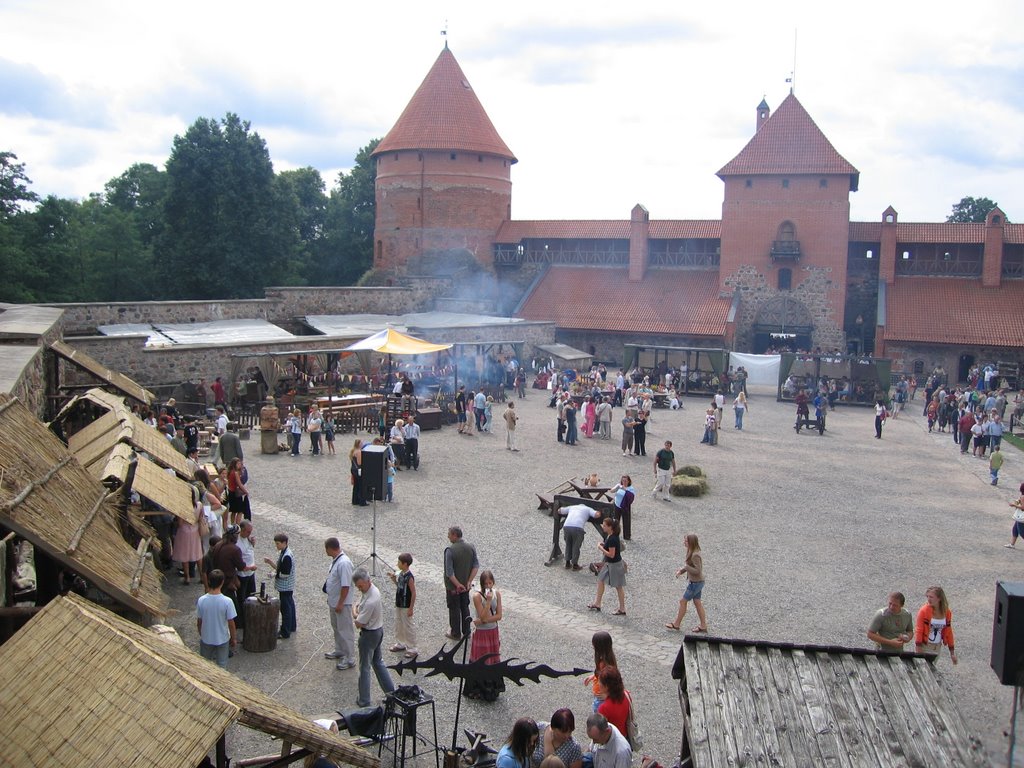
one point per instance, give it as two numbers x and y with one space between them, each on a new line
167 490
51 514
123 696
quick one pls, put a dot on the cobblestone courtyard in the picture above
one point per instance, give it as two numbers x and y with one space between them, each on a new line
803 537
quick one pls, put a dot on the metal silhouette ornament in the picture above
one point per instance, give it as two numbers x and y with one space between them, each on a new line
444 663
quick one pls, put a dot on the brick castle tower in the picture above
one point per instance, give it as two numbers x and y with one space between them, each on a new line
443 175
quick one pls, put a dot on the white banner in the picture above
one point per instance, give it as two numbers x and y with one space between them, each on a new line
761 369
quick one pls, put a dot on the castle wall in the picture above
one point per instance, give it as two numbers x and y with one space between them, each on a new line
817 288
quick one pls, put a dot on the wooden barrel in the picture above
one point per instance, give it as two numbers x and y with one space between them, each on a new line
268 441
261 624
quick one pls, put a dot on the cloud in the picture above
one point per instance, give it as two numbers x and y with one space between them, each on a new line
26 91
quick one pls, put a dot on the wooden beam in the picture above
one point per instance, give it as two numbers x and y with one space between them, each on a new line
86 522
19 611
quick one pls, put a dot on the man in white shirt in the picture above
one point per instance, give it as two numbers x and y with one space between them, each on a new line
369 618
412 443
222 420
576 517
609 748
340 599
247 577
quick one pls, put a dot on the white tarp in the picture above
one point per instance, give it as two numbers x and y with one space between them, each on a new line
761 369
215 332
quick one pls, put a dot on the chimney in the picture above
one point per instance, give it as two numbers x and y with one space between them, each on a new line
887 250
639 240
992 259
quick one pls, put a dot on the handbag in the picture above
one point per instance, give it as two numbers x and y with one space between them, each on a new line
204 524
1018 516
633 735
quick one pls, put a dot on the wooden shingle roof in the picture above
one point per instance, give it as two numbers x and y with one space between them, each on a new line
445 114
790 142
758 703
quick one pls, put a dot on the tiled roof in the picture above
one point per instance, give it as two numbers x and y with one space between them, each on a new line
955 311
704 229
1013 233
445 113
865 231
515 231
789 142
675 302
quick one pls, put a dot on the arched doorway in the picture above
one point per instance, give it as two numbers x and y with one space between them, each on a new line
782 322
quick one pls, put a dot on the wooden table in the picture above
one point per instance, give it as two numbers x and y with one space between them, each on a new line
590 491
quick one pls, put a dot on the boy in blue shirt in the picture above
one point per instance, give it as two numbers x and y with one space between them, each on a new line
215 622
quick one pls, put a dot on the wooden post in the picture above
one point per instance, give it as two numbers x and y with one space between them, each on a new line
261 624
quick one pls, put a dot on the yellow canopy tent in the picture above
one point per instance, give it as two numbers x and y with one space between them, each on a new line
390 342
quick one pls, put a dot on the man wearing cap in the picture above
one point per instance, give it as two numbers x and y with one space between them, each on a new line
369 618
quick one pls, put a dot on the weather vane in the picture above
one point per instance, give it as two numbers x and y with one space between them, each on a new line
444 33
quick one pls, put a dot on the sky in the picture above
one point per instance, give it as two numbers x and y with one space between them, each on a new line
604 105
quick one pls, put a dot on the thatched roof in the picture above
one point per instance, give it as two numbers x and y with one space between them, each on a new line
85 687
115 379
47 497
119 424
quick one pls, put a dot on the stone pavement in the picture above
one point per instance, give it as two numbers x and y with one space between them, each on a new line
803 537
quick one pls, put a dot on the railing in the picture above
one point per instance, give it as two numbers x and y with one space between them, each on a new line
938 267
787 250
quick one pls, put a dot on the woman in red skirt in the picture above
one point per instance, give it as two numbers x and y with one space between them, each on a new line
486 640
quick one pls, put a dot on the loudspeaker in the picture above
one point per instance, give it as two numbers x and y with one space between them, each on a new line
374 477
1008 633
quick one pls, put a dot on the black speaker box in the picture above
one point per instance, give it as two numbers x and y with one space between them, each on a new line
373 481
1008 633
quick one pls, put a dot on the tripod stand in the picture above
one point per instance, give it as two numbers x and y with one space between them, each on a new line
373 557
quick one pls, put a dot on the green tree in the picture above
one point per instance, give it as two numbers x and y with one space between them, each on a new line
222 236
302 206
971 209
13 185
140 192
351 211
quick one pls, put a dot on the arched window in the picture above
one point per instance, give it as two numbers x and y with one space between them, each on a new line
787 232
785 279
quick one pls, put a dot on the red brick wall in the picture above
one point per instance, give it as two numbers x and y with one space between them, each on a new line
992 261
751 217
427 201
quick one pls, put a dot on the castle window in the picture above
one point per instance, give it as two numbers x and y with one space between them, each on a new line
785 279
906 255
869 255
749 183
418 204
452 156
380 249
785 183
996 219
419 156
479 158
888 218
823 183
396 156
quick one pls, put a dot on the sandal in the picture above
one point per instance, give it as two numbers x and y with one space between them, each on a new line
593 607
618 613
700 630
672 626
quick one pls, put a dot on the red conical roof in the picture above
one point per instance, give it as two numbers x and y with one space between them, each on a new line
790 142
445 114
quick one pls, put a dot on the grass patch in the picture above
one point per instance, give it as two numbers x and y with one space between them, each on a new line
1014 440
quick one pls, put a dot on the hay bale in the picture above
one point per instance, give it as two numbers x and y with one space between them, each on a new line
690 470
682 485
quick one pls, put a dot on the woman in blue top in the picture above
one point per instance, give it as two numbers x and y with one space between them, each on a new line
520 745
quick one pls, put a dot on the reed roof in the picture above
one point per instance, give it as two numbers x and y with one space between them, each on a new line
49 498
83 686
